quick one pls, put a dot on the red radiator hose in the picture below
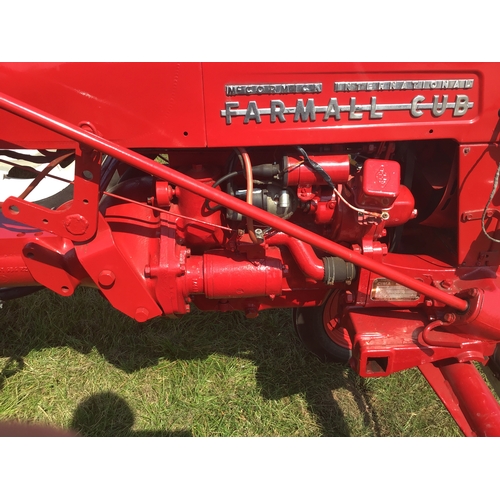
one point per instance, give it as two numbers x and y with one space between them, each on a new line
310 264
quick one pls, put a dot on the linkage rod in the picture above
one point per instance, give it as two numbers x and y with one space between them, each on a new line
162 172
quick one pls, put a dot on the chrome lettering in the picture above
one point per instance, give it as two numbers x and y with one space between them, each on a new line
229 111
413 111
305 112
277 110
274 88
403 85
252 113
352 110
436 109
373 109
461 105
332 109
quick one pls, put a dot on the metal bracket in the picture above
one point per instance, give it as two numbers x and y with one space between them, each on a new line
77 220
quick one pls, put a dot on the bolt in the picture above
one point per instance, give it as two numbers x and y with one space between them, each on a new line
473 292
450 317
259 234
76 224
141 314
331 205
446 283
147 271
106 278
428 303
88 127
349 297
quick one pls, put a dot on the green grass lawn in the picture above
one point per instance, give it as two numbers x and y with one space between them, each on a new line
77 363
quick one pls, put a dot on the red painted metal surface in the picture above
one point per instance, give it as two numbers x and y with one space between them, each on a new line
394 125
153 168
477 402
272 170
137 105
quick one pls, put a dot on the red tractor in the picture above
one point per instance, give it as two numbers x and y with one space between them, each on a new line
363 196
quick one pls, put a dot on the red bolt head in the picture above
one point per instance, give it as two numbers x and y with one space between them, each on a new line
141 314
450 317
76 224
446 283
106 278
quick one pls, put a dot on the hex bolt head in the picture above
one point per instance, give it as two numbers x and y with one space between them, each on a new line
450 317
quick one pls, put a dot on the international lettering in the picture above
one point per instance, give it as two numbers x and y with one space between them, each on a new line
391 85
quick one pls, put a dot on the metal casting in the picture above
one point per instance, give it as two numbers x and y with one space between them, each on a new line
367 204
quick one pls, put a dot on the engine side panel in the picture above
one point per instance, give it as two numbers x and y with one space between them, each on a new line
134 104
314 103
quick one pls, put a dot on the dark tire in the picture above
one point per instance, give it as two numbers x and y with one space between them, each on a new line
318 330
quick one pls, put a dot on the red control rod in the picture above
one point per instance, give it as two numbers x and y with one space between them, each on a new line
162 172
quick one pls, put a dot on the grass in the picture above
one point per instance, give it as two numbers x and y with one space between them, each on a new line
78 364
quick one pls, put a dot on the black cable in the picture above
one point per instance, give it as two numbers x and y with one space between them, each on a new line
316 167
224 178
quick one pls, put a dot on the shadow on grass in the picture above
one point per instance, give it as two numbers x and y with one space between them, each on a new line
107 414
86 321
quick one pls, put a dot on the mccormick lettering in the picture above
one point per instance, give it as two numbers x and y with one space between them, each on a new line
309 112
275 88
